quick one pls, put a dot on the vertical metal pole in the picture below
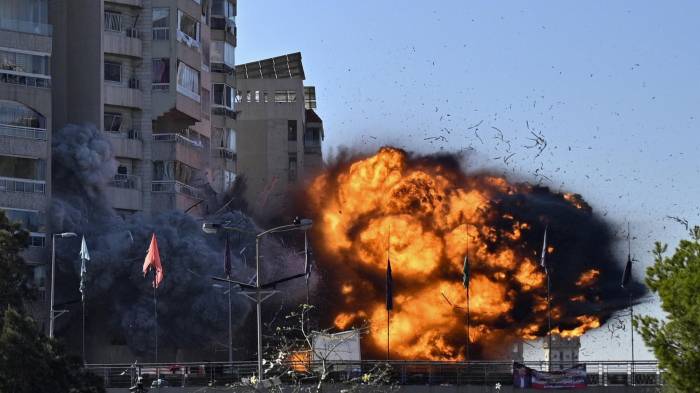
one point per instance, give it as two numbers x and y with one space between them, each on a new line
259 305
468 279
549 324
632 334
155 311
84 359
53 281
230 328
388 322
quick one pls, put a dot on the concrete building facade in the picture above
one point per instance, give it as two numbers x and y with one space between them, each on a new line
25 126
146 73
279 134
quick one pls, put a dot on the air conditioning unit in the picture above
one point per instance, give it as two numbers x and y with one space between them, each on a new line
134 83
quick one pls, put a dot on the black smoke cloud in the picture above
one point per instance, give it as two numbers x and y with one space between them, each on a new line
192 312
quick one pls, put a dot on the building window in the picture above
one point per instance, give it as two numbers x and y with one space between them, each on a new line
265 96
291 130
230 139
312 136
19 115
229 179
292 167
187 29
257 95
206 103
113 121
173 170
30 220
285 96
310 97
161 71
113 71
22 168
188 81
24 63
161 24
222 53
113 21
223 95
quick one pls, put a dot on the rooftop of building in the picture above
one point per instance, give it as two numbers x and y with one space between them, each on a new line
281 67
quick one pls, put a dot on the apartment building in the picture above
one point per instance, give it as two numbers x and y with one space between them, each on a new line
156 76
26 124
278 131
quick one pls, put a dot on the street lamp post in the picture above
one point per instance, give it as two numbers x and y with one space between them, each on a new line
52 312
258 292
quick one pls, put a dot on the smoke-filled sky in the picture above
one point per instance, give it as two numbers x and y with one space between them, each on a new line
611 87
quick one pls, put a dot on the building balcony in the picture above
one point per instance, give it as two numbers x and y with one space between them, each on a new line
128 3
129 182
25 79
122 96
15 185
312 148
176 147
125 192
37 134
122 43
23 141
26 26
175 187
126 144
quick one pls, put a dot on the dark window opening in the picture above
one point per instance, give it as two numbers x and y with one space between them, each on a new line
291 130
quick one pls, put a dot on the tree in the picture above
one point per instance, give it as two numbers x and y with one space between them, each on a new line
676 341
14 290
30 361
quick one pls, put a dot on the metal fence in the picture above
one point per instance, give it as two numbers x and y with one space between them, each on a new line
603 373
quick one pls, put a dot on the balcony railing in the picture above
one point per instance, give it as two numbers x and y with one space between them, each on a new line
23 132
131 134
223 111
130 182
11 184
174 186
312 148
178 138
24 79
24 26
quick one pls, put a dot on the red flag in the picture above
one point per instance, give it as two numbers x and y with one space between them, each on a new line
153 261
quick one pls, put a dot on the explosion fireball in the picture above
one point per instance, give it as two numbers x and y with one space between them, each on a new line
426 214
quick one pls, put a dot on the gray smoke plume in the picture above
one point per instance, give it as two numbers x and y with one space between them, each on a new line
192 310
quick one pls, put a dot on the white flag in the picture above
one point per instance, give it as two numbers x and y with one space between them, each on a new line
543 263
84 256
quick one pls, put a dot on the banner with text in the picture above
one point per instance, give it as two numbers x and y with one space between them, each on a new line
571 378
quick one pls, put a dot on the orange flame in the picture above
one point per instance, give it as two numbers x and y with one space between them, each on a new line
381 207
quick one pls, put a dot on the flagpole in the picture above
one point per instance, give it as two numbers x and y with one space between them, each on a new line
629 256
230 329
388 311
549 321
155 312
468 315
83 304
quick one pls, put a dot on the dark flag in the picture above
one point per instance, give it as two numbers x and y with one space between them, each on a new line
466 273
389 287
627 274
227 259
